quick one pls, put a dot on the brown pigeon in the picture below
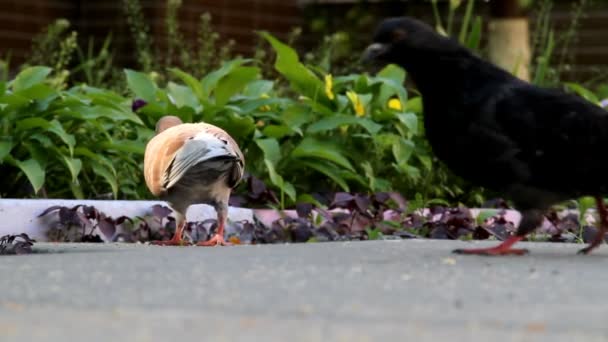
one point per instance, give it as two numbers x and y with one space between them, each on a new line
190 163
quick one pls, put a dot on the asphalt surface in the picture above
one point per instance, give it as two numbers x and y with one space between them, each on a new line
410 290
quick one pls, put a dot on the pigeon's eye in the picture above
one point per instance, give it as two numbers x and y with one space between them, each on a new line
398 34
224 141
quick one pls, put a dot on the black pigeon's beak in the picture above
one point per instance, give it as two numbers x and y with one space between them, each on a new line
373 51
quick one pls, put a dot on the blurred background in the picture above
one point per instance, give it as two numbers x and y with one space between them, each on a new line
583 22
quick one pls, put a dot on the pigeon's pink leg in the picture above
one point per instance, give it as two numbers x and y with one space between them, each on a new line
599 238
218 239
176 240
503 249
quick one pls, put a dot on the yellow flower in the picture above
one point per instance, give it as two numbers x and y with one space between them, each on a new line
395 104
329 84
356 101
264 108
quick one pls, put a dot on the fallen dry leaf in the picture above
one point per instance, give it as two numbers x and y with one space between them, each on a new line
448 261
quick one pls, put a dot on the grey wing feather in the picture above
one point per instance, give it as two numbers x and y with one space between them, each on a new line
192 153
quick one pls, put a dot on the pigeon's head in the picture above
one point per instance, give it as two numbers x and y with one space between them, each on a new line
166 122
397 38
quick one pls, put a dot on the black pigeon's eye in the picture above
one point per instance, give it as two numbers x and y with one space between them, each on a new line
398 34
224 141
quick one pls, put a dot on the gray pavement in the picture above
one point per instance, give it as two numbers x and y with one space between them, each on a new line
410 290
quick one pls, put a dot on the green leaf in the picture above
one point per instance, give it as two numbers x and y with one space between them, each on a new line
277 180
29 123
410 120
375 183
194 84
76 190
465 22
271 149
337 120
426 161
308 198
182 95
74 165
475 35
56 128
30 76
485 214
582 91
5 148
413 105
210 81
390 88
234 82
14 100
106 174
301 78
277 131
129 146
295 116
374 234
236 125
258 88
142 86
393 72
327 169
315 149
402 151
33 171
38 91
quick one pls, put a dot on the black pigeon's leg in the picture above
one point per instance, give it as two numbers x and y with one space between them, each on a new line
503 249
599 237
530 220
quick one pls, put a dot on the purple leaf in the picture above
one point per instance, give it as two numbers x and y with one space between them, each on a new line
68 216
160 211
362 203
304 209
107 227
49 209
256 186
90 211
342 200
122 219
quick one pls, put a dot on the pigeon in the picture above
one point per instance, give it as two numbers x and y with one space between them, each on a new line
536 146
191 163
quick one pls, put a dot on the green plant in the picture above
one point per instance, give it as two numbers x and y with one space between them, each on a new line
311 141
140 33
80 142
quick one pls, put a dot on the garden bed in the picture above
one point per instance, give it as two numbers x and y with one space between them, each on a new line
347 217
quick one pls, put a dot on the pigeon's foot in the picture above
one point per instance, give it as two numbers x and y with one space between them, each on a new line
492 251
603 228
172 242
502 249
217 240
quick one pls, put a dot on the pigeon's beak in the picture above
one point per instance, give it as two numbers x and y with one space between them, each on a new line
373 51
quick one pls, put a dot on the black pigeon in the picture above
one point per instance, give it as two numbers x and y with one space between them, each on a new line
537 146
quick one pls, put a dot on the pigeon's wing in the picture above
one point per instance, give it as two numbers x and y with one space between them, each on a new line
236 173
558 137
160 153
